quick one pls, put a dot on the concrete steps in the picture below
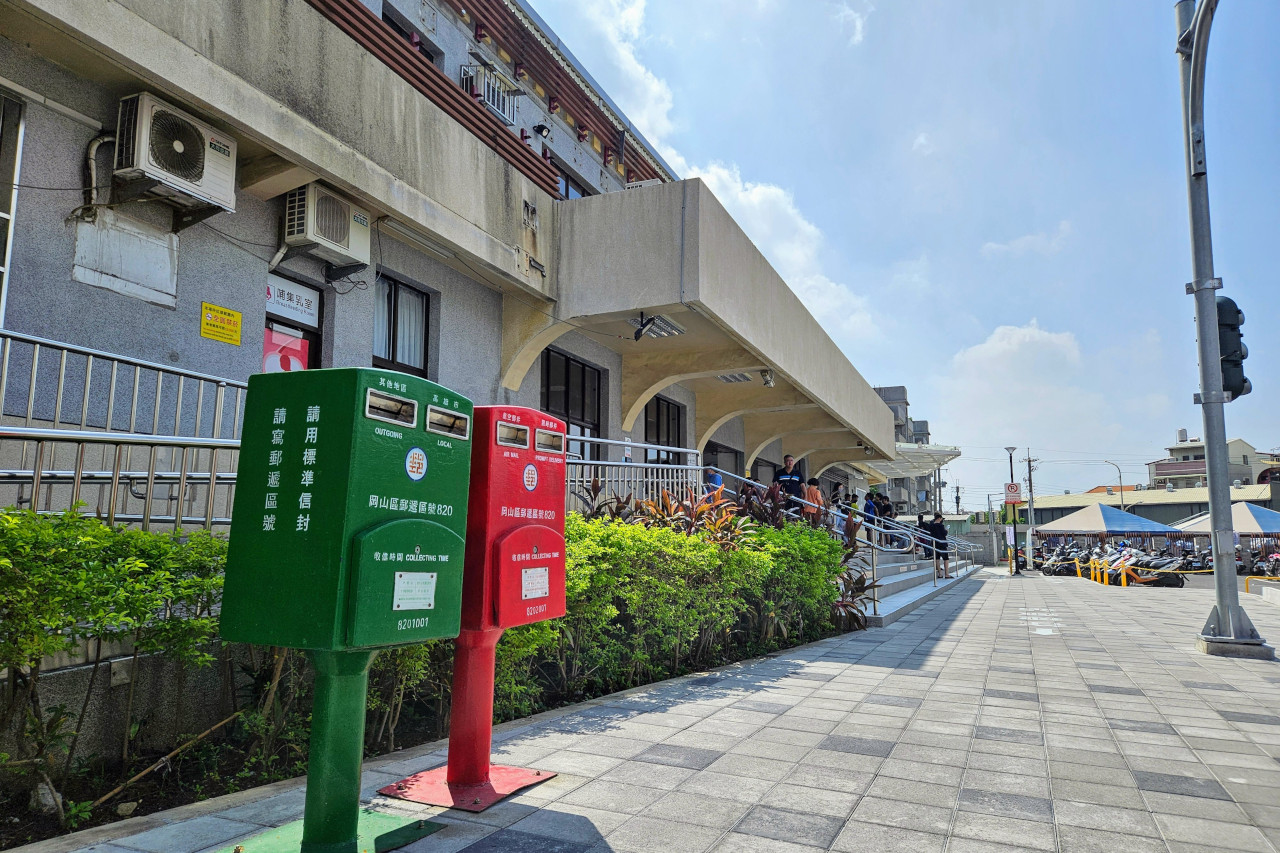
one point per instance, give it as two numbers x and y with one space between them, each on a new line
906 585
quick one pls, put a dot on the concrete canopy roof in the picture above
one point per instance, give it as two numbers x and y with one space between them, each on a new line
916 460
673 250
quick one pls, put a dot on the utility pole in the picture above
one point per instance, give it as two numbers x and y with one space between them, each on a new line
1228 630
1120 474
991 524
1031 505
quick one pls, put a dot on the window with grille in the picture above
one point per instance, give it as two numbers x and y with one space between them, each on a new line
401 320
571 391
492 90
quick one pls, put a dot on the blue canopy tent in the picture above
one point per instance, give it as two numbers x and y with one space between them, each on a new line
1103 520
1246 519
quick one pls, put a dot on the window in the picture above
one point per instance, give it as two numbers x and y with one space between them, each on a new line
10 148
664 424
492 89
724 458
569 188
400 316
406 31
292 339
571 391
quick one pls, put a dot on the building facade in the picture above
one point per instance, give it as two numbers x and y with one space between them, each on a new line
426 186
1184 467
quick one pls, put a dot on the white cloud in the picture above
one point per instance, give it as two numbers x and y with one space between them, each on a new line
922 144
647 98
856 22
1040 243
766 212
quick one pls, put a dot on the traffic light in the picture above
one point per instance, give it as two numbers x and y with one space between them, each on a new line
1233 350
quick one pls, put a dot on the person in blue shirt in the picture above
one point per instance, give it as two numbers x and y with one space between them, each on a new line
714 480
788 478
869 511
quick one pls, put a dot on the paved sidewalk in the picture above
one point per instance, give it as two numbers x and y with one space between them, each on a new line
1010 714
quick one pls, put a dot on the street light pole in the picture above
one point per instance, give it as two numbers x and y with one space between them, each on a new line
1228 630
1121 475
1014 511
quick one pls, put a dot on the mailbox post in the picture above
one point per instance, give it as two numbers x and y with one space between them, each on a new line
349 517
515 575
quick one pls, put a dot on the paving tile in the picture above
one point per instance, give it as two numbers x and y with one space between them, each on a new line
1019 695
921 818
1099 793
859 836
1169 783
613 796
1012 735
1227 811
840 779
1022 834
1212 834
728 787
815 830
1076 839
750 766
188 835
577 824
650 775
1008 805
511 841
1256 719
679 756
900 701
857 745
736 842
643 834
1110 818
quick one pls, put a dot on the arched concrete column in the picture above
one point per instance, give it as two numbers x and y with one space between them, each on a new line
646 374
716 407
759 431
526 332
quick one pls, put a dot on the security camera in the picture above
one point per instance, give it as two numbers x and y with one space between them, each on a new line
766 376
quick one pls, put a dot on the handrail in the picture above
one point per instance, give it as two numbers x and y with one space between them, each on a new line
130 438
123 359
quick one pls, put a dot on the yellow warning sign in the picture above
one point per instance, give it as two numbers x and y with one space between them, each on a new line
219 324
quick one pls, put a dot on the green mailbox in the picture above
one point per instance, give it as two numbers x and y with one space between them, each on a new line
347 537
350 511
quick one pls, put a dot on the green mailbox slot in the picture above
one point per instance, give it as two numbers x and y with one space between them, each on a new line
350 511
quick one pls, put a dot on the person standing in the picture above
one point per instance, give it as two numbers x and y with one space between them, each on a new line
789 480
714 480
869 511
940 545
813 506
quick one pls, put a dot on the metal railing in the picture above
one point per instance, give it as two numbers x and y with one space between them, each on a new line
175 481
624 477
49 383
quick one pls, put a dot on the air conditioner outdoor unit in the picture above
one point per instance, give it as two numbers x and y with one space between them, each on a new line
652 182
328 225
192 164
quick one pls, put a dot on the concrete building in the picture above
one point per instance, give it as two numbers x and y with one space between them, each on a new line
913 482
525 243
1184 467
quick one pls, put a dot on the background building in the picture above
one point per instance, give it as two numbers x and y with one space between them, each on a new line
1184 467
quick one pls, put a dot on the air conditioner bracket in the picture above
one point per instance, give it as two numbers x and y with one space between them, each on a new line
333 273
125 191
299 249
184 218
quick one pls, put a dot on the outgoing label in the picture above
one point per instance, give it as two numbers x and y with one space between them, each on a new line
535 583
415 464
415 591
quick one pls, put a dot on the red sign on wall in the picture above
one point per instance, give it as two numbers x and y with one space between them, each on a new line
282 353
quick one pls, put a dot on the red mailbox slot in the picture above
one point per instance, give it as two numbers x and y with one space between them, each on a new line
514 575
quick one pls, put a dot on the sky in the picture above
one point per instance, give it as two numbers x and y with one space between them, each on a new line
983 201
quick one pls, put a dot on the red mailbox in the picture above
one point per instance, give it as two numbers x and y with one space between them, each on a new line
514 575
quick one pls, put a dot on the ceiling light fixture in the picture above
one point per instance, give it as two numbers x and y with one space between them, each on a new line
655 326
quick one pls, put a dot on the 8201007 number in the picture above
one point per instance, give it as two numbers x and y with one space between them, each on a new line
405 624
